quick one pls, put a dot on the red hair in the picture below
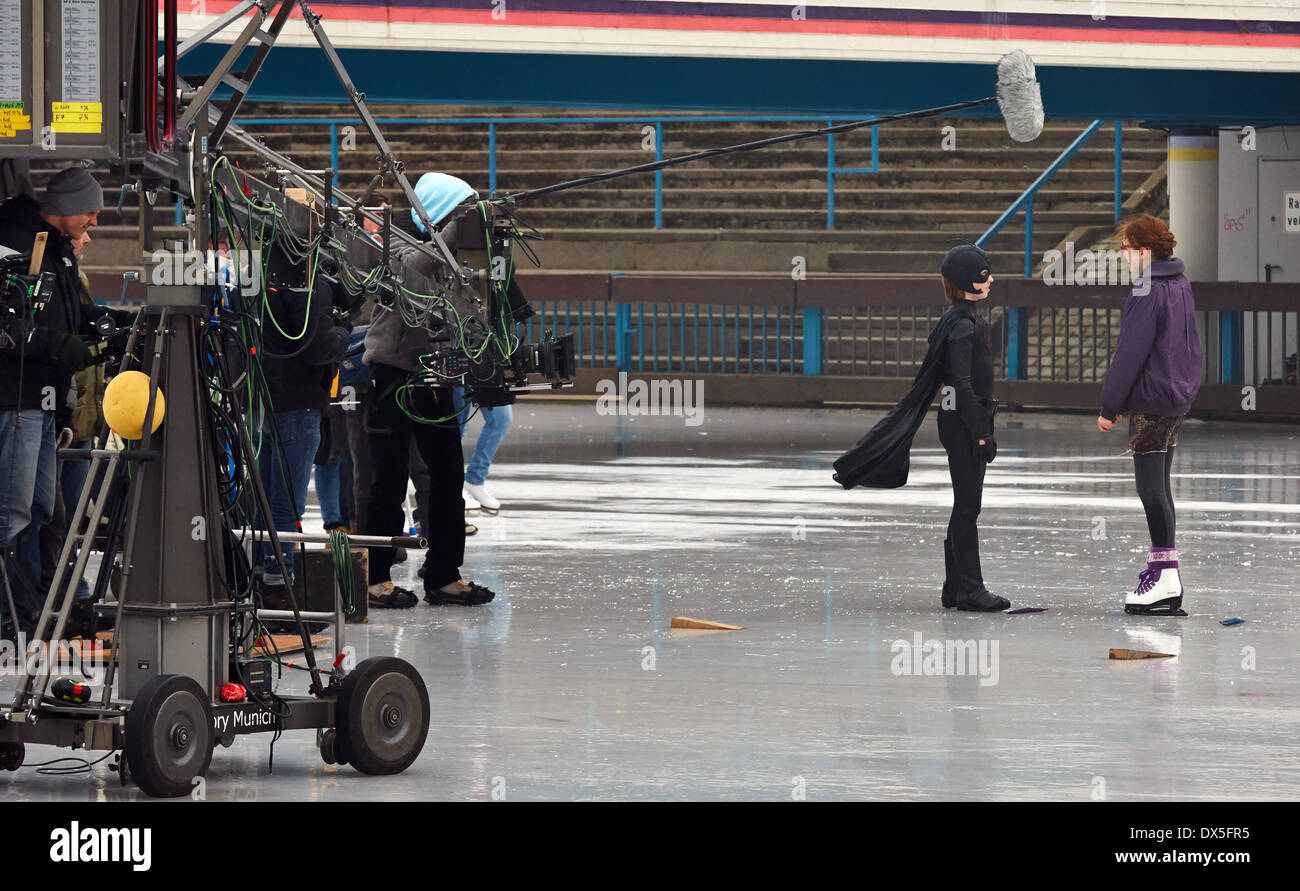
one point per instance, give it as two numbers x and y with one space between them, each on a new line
1145 232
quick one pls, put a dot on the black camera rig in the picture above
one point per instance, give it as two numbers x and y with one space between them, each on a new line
24 291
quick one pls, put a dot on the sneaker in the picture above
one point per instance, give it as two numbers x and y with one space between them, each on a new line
471 503
386 595
483 497
471 595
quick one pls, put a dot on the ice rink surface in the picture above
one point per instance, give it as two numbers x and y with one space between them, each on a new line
571 685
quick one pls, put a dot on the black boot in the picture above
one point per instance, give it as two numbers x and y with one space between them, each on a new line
949 574
981 601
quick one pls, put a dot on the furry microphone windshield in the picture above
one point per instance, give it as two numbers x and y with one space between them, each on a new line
1019 96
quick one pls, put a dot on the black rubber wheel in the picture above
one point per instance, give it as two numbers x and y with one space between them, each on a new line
12 755
169 736
329 748
382 716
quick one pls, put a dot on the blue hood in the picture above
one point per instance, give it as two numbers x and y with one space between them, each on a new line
439 194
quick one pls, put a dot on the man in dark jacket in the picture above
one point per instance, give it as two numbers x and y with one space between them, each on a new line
44 349
303 339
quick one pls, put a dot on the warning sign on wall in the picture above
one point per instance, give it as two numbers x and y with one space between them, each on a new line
1291 205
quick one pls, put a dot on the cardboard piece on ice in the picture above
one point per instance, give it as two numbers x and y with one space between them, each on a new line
683 622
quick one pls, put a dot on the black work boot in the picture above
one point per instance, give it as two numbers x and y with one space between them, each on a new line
981 601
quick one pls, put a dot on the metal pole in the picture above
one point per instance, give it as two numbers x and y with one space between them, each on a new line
334 152
492 159
1119 167
659 175
830 178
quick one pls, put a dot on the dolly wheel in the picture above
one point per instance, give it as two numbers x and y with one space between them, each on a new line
382 716
169 736
329 748
12 755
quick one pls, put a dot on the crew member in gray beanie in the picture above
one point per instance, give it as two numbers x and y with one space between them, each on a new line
36 369
72 192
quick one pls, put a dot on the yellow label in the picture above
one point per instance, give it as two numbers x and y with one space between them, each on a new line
95 108
75 117
12 119
66 127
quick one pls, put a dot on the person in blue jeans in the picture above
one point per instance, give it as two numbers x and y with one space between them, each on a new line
333 471
285 466
26 503
38 356
496 421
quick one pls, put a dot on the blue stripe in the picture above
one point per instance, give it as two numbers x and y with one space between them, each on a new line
842 89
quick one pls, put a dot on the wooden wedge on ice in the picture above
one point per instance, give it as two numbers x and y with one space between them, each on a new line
683 622
1138 654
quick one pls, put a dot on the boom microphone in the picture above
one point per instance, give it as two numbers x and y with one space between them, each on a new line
1019 96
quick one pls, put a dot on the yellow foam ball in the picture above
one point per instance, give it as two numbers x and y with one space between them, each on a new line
126 398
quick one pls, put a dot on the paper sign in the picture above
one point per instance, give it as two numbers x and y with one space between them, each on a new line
11 51
1291 204
81 52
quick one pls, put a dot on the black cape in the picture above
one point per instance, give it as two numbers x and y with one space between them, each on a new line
881 459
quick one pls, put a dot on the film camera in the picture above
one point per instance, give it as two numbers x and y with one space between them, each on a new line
23 294
485 354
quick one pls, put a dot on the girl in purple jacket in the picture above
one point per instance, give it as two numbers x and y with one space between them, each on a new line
1154 377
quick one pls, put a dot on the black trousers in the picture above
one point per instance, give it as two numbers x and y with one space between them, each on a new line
390 434
966 468
361 473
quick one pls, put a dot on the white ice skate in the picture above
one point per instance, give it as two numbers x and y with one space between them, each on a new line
483 497
471 503
1159 591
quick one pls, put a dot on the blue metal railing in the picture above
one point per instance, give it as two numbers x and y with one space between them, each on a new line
690 338
493 123
1017 330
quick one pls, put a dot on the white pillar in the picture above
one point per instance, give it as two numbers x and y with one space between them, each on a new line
1193 155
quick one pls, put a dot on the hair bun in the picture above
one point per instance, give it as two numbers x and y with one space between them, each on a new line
1149 233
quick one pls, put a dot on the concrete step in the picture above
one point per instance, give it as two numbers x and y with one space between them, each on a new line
119 246
794 199
910 260
972 220
676 138
688 176
577 161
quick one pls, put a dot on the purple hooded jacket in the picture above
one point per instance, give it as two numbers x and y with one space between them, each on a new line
1158 361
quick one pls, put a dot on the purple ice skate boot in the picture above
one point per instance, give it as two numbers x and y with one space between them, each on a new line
1160 588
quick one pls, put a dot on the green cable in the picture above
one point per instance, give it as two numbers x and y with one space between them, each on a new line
343 570
403 400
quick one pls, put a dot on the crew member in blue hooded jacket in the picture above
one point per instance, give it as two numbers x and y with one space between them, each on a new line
391 348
